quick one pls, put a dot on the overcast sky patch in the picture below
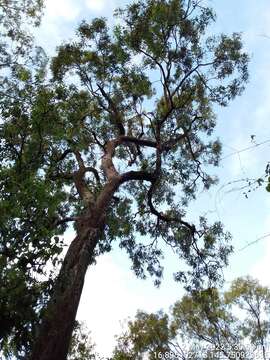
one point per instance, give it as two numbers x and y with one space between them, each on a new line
95 5
66 9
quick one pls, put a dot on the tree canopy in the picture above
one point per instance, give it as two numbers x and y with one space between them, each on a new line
117 140
206 324
81 346
16 19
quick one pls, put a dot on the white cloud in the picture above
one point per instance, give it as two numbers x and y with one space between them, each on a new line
111 294
66 9
58 23
105 302
96 5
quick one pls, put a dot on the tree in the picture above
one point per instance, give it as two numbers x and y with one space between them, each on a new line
206 324
24 219
15 15
148 334
81 346
254 300
117 143
16 54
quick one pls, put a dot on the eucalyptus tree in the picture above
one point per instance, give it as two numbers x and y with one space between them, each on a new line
81 346
17 17
118 142
206 324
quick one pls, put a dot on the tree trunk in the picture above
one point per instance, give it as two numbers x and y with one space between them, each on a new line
53 339
57 324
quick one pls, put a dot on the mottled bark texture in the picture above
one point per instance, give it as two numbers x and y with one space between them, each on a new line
56 330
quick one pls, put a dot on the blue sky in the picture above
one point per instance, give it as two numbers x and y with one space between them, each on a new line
112 293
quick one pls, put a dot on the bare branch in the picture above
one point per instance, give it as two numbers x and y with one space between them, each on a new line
164 217
65 220
79 160
64 155
166 88
94 171
138 141
137 175
113 110
97 141
107 163
188 74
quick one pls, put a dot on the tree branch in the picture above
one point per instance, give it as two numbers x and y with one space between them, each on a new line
138 141
94 171
137 175
114 111
164 217
106 162
65 220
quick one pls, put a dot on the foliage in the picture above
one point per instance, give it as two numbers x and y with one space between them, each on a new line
15 39
21 294
203 325
122 130
158 130
254 300
148 334
81 347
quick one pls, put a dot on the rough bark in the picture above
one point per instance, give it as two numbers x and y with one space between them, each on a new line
57 324
55 332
